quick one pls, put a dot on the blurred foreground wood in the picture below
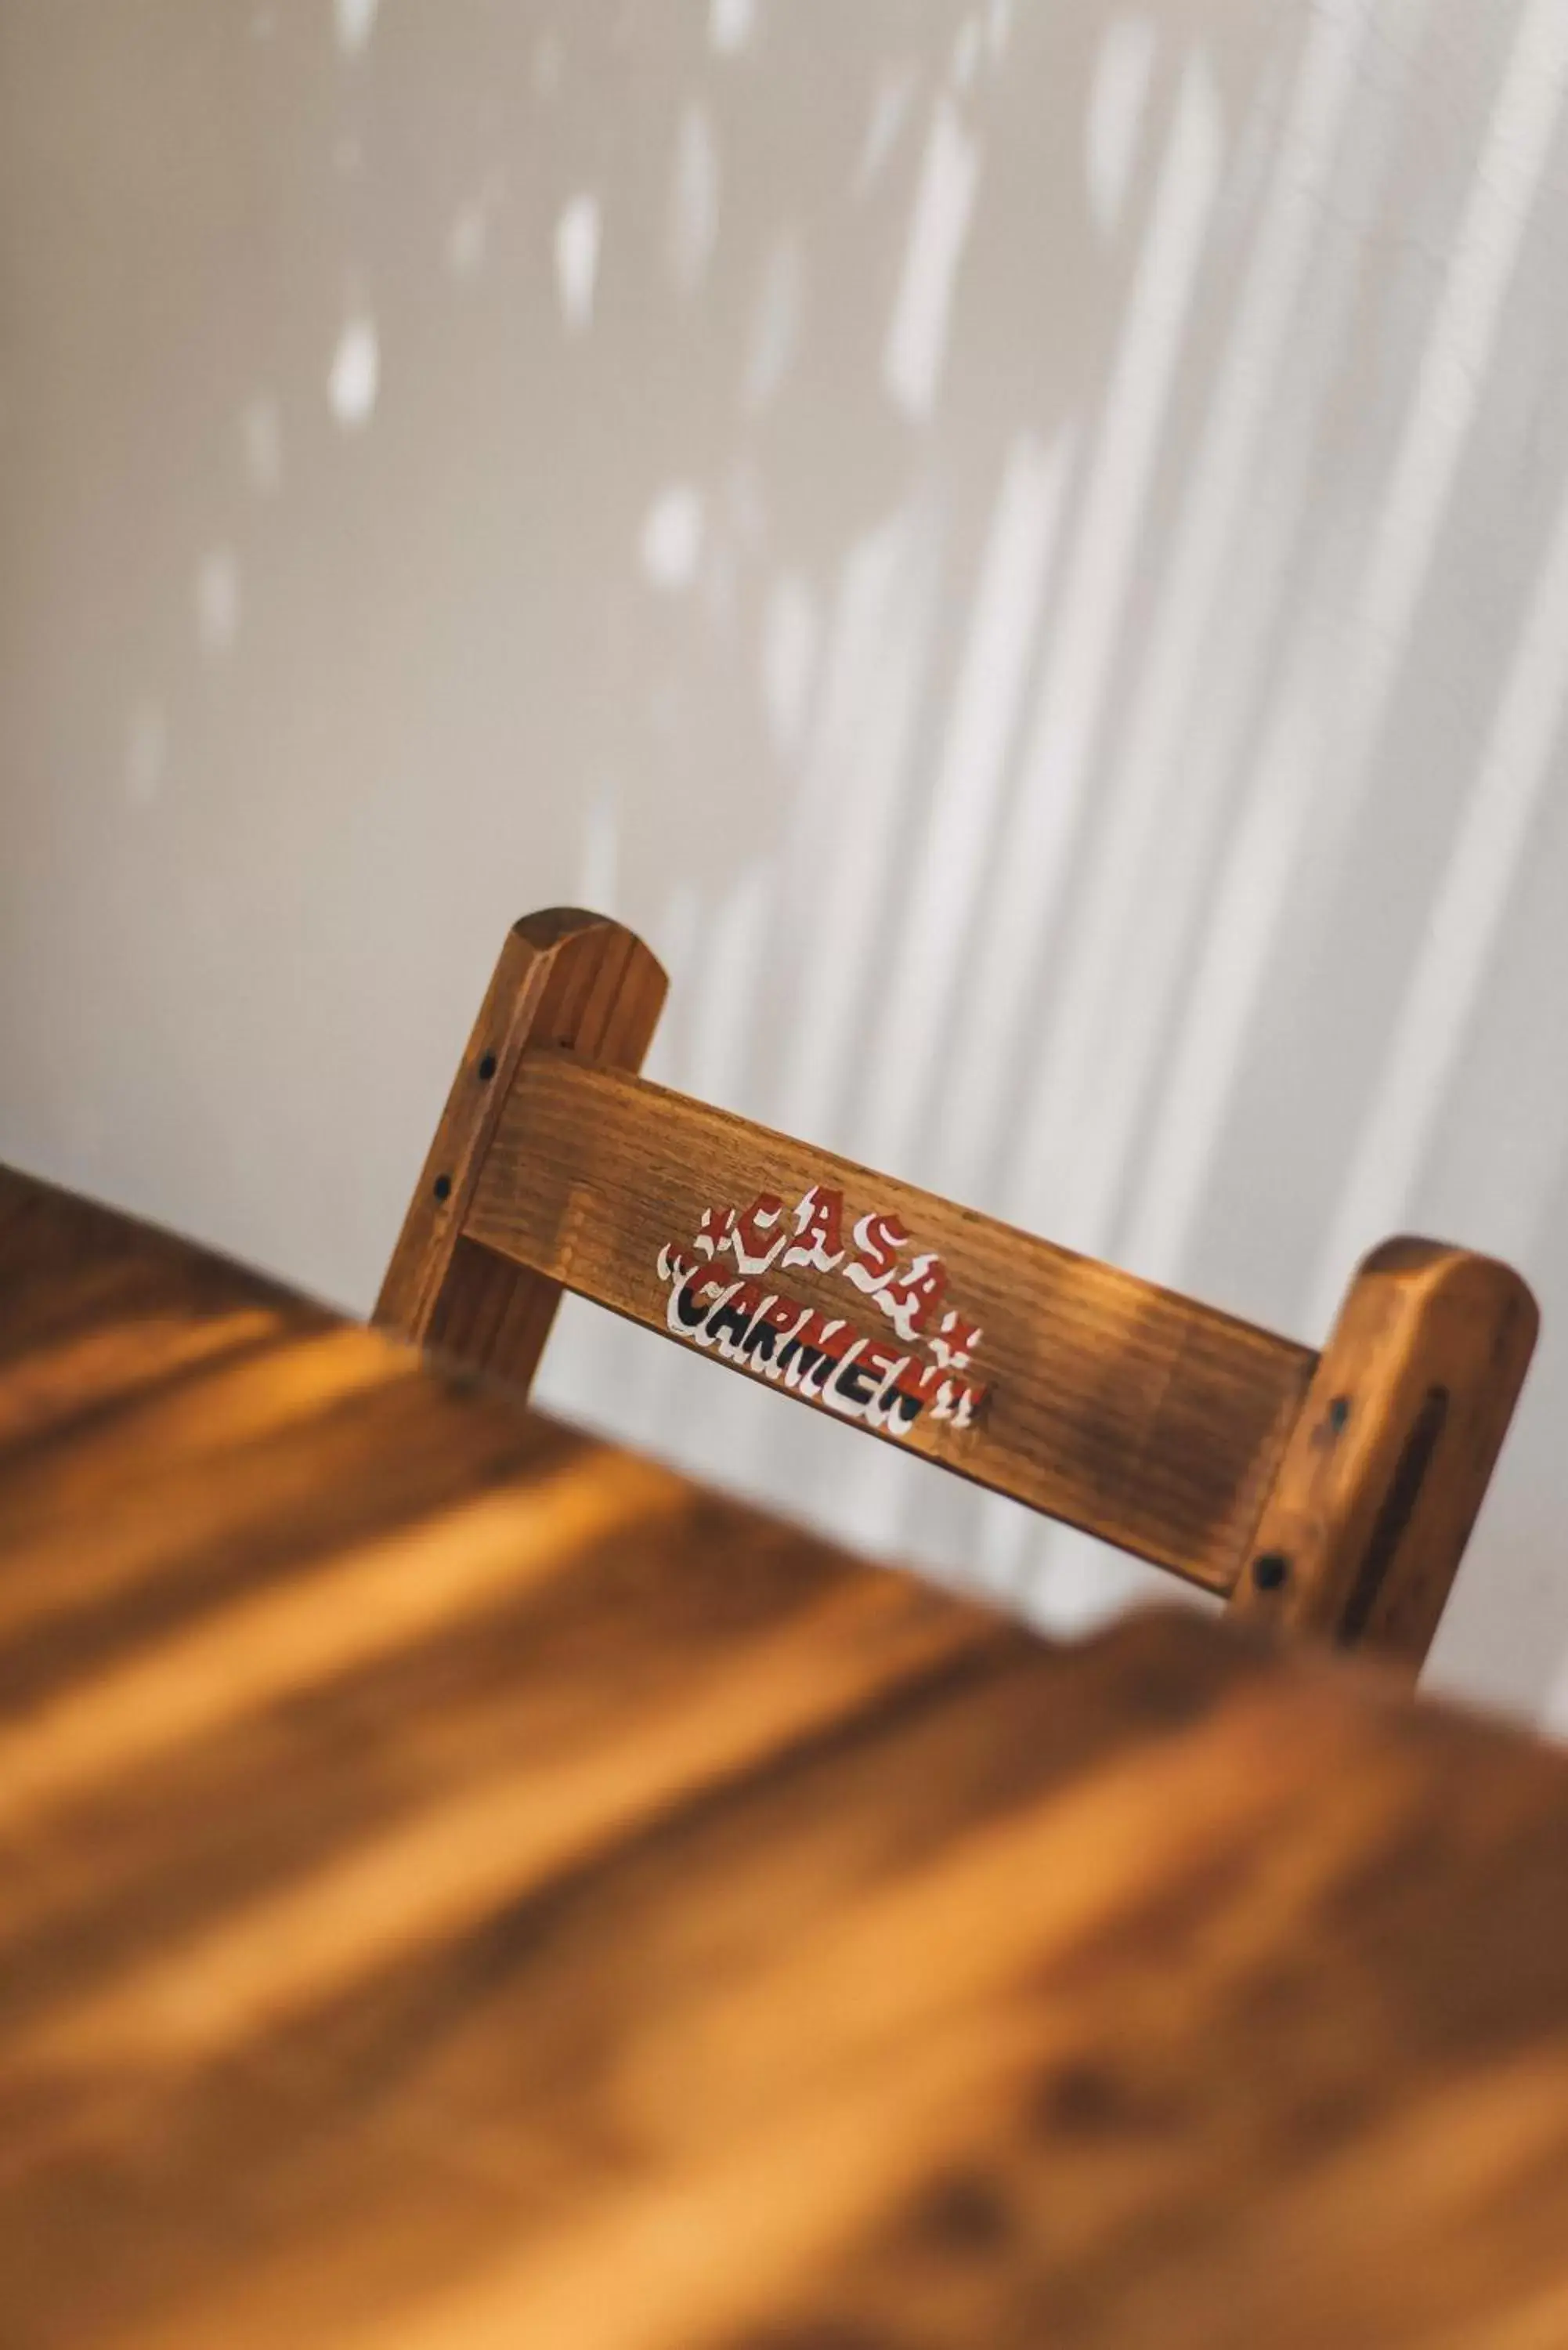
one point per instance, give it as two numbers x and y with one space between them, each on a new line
461 1884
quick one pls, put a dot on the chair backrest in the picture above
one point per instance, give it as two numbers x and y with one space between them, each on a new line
1327 1493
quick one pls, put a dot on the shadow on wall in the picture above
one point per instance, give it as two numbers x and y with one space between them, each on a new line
1026 549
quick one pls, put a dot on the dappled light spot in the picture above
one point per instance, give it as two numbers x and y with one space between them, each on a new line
693 201
354 376
577 234
966 53
466 238
218 600
355 20
672 534
890 98
1117 101
731 24
918 339
775 322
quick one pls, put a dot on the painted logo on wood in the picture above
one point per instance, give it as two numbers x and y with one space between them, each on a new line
729 1292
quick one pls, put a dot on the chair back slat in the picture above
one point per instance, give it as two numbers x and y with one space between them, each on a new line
1143 1417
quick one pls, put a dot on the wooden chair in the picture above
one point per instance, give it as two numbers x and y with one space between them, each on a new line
1332 1493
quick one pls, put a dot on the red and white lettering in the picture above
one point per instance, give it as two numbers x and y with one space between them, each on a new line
815 1338
717 1295
749 1242
878 1240
842 1389
819 1225
954 1341
820 1354
713 1232
689 1302
729 1324
910 1300
785 1319
887 1369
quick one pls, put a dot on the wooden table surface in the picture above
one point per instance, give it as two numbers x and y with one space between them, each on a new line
461 1884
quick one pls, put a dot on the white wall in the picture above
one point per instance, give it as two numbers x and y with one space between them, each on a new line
1025 547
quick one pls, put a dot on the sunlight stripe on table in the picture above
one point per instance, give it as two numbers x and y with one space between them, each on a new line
369 1605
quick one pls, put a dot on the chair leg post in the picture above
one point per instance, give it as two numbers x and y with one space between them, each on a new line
1384 1472
566 979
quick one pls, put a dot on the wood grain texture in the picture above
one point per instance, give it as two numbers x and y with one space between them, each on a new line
1375 1499
464 1886
563 978
1149 1420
